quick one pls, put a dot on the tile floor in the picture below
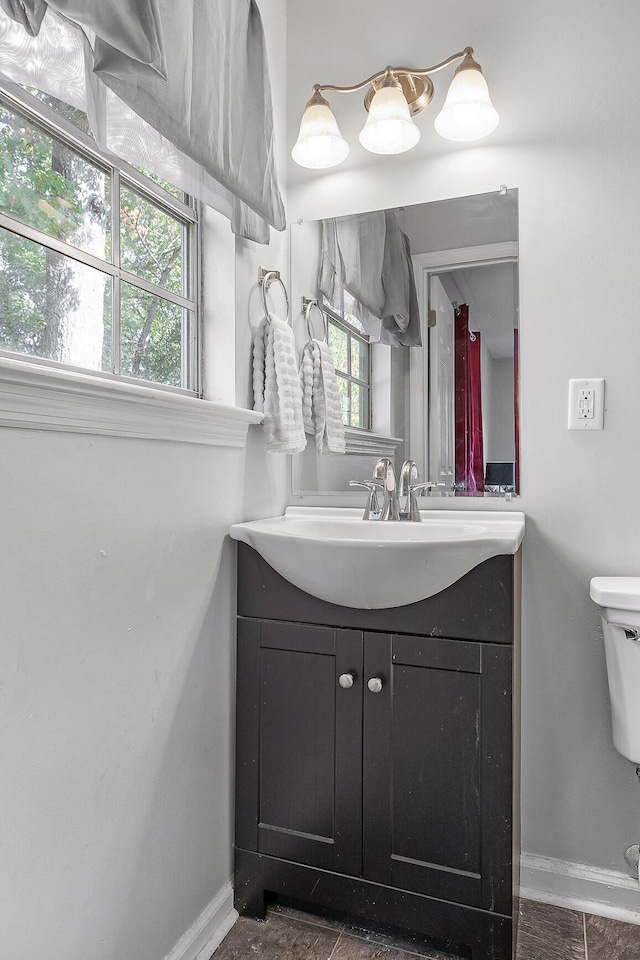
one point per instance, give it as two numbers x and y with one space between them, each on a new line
545 933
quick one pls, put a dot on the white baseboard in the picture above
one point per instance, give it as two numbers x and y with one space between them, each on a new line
605 893
209 930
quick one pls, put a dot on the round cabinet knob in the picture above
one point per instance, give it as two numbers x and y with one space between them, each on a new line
375 684
346 680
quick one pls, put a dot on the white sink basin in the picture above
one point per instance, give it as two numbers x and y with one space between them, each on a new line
333 554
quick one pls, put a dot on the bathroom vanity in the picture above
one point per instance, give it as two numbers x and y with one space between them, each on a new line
376 774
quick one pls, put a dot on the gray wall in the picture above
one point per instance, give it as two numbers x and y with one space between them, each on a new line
117 599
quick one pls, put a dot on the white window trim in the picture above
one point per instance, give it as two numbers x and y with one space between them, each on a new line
366 443
41 398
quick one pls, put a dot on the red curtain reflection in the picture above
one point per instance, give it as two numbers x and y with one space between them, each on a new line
468 406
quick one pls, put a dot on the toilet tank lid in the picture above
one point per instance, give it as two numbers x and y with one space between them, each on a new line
620 592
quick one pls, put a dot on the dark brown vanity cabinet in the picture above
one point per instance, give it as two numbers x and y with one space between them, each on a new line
374 766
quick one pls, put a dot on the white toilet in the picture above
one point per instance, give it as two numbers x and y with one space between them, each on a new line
619 599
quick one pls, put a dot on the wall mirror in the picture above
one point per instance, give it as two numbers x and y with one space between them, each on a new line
451 402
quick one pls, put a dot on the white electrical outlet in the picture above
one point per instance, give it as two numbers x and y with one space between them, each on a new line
586 404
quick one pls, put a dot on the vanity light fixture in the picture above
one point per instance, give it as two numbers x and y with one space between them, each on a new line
395 95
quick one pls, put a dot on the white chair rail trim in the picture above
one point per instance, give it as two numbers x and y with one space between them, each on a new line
39 397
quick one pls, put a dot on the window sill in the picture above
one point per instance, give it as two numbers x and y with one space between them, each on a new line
39 398
363 442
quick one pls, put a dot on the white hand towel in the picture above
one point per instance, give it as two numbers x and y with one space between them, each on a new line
276 386
321 408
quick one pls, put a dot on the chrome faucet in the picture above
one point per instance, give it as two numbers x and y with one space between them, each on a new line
408 490
390 508
383 479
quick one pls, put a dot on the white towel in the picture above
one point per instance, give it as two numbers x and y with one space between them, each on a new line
321 408
276 386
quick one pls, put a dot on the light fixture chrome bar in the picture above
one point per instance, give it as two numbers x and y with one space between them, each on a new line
396 71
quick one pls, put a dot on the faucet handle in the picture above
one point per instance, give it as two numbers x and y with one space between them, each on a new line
374 484
372 509
412 511
428 485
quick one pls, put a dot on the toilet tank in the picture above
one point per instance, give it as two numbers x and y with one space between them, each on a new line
619 600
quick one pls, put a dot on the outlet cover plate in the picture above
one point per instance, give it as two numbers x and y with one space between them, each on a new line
586 404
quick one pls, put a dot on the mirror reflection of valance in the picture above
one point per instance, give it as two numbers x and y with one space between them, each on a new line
368 256
178 88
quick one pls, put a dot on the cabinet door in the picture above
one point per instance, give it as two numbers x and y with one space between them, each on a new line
437 768
299 743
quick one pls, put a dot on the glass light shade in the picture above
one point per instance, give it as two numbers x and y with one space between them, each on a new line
320 143
468 113
389 127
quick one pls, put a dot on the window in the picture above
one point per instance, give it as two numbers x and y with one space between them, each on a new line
97 261
351 353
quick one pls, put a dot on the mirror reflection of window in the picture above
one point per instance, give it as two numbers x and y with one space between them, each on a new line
350 350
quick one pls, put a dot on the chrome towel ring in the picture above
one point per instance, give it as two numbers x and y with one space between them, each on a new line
307 306
265 279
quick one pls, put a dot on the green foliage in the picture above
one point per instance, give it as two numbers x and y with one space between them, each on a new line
31 189
150 241
22 294
150 337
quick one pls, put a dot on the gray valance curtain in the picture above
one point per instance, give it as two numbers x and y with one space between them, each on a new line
177 87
